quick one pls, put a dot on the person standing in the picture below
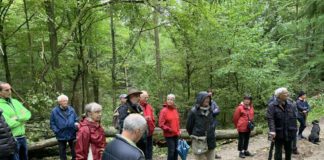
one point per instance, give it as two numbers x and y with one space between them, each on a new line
16 115
131 106
282 123
91 140
169 122
123 146
115 122
244 113
200 126
215 110
303 109
64 124
149 116
7 141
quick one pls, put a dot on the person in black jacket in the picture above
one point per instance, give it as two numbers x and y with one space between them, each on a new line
123 147
200 124
282 122
303 109
7 141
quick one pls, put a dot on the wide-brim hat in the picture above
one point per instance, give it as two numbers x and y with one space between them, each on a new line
133 91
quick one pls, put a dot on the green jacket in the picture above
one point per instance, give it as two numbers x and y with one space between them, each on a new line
15 115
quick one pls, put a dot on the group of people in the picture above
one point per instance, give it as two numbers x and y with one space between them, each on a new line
135 121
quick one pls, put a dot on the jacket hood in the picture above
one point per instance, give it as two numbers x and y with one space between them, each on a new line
201 97
86 122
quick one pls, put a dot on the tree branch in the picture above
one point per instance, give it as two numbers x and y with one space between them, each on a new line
17 29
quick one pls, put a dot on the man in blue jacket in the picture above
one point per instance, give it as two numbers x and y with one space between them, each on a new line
64 124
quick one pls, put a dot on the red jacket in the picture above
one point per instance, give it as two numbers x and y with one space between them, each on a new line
241 117
149 116
169 121
90 133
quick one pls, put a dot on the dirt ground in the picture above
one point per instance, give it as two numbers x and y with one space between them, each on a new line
259 146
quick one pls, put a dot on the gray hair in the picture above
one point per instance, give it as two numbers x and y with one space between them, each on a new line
171 96
62 97
134 122
92 107
280 91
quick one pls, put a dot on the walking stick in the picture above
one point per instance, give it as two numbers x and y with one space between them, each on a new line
271 147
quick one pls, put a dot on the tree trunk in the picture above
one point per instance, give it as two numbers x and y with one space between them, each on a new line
29 51
5 55
157 52
49 7
114 52
157 137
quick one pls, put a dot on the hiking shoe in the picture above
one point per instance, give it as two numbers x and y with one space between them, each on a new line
217 156
295 151
241 155
247 153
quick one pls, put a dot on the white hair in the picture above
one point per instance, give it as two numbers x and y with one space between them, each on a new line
280 91
92 107
134 122
171 96
62 97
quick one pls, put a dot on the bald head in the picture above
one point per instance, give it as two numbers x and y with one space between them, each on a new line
144 96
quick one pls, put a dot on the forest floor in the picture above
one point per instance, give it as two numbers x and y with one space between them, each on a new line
259 146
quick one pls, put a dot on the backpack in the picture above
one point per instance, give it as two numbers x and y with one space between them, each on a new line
115 120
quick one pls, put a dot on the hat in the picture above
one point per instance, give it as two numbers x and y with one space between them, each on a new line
301 93
122 96
133 91
248 97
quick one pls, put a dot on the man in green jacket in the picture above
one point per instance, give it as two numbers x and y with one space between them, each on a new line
16 116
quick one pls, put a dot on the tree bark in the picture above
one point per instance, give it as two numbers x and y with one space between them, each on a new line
157 51
29 51
114 53
49 7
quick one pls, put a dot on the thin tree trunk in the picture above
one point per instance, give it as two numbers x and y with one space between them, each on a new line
114 52
157 52
49 7
30 52
5 55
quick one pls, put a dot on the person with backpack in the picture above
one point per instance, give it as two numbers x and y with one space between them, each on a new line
243 120
91 140
201 128
149 116
64 124
7 141
122 99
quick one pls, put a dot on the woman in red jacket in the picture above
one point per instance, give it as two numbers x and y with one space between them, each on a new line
169 122
91 139
243 113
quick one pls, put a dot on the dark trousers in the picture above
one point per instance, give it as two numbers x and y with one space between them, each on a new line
141 144
302 122
172 143
62 149
21 150
294 144
243 141
278 149
149 148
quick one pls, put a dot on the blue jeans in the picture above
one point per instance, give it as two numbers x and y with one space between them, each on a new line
21 152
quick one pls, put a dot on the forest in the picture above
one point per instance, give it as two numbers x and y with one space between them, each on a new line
94 50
